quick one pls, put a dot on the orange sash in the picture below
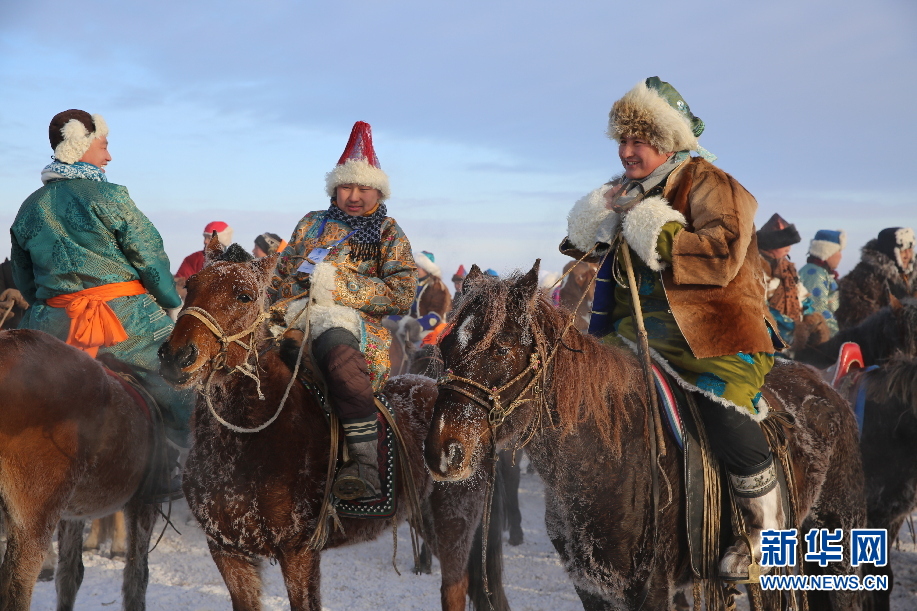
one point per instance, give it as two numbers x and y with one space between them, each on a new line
92 321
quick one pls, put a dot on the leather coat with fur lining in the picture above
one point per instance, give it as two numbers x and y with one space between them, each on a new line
714 285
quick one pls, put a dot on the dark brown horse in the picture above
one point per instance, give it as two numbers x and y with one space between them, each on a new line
587 421
888 338
258 494
73 445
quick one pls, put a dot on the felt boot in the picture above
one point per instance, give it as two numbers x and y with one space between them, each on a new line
758 498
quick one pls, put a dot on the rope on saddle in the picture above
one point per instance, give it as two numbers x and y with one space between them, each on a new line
710 547
410 489
320 535
775 428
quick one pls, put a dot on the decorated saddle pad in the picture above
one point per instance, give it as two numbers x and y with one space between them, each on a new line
386 505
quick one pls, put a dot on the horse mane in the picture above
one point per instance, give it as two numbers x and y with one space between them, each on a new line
589 381
897 381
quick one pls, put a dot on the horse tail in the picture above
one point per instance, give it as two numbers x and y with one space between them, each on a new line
493 565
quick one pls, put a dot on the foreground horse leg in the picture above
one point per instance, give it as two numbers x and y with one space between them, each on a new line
140 519
25 548
302 576
242 577
70 569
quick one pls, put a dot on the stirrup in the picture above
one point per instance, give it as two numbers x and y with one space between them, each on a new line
754 568
350 487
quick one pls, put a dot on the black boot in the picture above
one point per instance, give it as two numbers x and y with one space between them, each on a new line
359 477
163 483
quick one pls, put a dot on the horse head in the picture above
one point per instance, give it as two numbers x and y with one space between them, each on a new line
490 381
222 317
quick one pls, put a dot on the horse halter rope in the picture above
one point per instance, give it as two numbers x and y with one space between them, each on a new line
496 412
245 368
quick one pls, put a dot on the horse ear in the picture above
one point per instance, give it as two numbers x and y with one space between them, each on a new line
474 275
265 266
528 283
214 249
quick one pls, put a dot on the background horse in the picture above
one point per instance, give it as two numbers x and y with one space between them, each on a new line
578 282
589 432
891 329
888 338
258 495
73 445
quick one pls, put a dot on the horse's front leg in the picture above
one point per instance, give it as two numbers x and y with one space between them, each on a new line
140 519
242 577
302 576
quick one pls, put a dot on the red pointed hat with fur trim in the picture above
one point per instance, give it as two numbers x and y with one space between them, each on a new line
358 164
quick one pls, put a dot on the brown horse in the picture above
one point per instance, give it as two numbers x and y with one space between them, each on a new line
259 494
578 282
73 445
583 406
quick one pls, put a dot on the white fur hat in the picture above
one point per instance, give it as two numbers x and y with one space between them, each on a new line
358 164
71 133
425 262
653 110
827 242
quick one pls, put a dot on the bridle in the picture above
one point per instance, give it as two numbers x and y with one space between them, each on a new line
497 413
246 368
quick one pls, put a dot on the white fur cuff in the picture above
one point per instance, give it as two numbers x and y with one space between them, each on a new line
642 227
322 318
590 221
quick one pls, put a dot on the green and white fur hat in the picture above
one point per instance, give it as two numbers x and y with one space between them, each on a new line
654 111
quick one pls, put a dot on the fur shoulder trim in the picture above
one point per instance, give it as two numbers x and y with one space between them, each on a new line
643 113
357 172
588 216
642 227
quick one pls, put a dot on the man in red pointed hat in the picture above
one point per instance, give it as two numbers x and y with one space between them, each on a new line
348 267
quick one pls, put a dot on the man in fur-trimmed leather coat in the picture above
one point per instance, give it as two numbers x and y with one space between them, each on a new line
887 264
690 229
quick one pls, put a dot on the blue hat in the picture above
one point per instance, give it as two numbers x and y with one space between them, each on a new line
827 242
491 272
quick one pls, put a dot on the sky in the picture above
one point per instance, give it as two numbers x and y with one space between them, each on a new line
488 116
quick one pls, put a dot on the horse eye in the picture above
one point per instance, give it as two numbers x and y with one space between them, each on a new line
244 297
502 350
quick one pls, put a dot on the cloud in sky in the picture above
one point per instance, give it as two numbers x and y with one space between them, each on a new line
485 113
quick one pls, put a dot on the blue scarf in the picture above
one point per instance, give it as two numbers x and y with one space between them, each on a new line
58 170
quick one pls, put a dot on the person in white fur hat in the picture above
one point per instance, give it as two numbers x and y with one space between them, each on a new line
690 230
351 265
81 240
819 274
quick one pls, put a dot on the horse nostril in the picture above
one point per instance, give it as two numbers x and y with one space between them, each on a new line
187 355
454 455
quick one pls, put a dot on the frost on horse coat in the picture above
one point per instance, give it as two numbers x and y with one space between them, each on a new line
258 495
590 444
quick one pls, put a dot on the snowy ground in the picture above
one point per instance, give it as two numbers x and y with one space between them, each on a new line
182 575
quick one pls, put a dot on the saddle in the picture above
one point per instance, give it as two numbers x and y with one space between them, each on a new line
383 506
700 506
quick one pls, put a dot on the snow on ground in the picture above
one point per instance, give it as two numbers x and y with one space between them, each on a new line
358 578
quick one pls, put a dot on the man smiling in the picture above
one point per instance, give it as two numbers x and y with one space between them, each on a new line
690 229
